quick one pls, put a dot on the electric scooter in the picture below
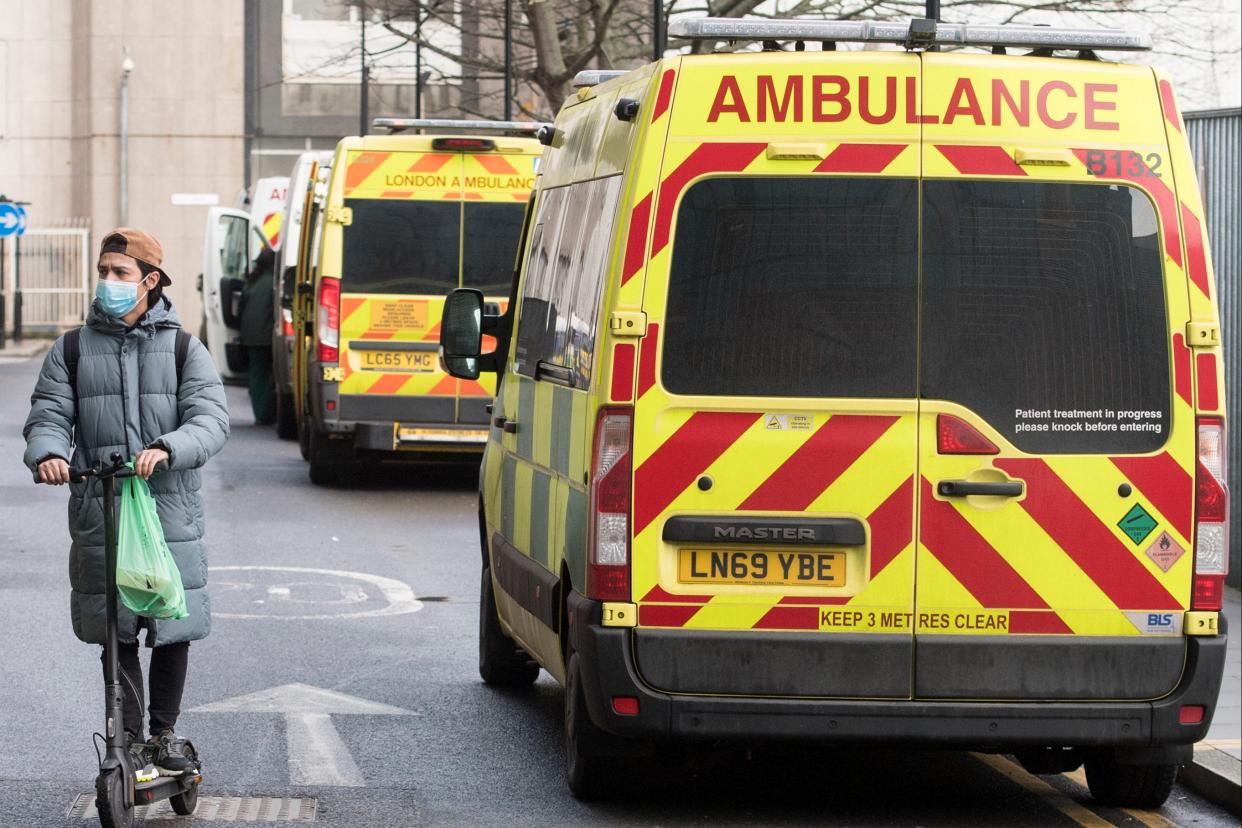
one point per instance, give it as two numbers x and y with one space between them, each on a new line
117 791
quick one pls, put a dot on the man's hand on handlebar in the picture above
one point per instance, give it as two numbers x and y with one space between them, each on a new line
54 471
147 460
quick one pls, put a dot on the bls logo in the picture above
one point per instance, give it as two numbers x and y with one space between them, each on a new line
1160 619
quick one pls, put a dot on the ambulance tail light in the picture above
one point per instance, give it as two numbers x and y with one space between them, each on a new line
1211 517
329 319
608 550
956 436
286 323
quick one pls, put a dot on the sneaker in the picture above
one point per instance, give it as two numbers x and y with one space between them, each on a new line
141 760
172 753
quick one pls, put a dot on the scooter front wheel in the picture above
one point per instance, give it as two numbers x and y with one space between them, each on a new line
110 799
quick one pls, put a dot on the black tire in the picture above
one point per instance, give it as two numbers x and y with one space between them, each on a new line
183 804
304 430
502 663
1129 786
286 424
586 753
110 800
328 463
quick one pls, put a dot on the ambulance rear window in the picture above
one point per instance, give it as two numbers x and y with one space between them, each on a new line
794 287
490 235
1044 313
401 246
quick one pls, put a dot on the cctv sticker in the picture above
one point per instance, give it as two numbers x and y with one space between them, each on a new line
788 422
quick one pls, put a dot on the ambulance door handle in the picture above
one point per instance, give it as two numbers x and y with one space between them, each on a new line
506 425
965 488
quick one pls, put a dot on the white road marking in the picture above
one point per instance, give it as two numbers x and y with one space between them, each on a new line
317 754
398 595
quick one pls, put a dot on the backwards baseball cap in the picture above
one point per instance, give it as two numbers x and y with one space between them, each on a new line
138 245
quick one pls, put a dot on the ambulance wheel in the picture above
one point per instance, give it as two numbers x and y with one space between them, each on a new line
1129 786
586 756
501 662
110 799
326 460
304 438
286 425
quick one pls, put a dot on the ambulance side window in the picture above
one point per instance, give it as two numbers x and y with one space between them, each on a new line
536 320
564 273
1054 293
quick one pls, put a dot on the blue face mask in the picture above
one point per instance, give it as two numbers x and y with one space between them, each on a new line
117 298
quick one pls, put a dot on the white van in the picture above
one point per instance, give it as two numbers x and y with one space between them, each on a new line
232 241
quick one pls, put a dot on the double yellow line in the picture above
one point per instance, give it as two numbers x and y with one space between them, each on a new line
1076 811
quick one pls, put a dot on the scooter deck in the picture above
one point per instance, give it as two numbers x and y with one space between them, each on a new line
164 787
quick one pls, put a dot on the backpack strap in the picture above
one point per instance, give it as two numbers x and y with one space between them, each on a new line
182 351
72 350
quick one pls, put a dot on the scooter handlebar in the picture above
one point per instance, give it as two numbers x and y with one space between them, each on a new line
117 469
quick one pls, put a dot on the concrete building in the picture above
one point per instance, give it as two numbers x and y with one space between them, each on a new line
60 117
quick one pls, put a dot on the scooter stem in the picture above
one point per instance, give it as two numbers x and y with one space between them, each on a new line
113 699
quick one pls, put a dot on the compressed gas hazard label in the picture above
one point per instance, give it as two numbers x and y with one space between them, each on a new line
1137 524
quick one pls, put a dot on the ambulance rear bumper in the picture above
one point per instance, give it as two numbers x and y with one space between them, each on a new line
609 670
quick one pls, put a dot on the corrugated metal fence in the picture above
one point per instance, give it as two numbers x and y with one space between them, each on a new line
1214 141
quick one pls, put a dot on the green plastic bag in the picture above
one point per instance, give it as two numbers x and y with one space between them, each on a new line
147 577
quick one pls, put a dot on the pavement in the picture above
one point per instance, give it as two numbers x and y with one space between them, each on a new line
27 348
1216 773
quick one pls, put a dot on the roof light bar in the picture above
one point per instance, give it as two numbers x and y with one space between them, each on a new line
594 77
402 124
902 33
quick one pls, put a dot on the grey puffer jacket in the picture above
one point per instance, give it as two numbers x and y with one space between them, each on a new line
128 400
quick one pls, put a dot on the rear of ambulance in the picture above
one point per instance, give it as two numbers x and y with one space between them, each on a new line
925 436
420 216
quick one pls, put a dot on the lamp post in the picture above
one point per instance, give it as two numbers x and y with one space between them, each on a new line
127 66
364 90
508 60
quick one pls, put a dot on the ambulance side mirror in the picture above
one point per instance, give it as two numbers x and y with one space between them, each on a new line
461 333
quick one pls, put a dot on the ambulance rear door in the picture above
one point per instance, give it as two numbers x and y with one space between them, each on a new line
1056 433
497 186
775 413
401 254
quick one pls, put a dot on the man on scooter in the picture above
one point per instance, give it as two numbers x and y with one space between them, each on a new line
132 383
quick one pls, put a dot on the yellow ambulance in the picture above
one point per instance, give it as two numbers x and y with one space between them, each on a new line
863 396
405 218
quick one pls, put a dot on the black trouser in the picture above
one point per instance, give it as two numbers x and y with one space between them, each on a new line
168 668
262 389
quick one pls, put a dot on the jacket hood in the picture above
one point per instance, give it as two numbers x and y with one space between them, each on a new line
163 315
